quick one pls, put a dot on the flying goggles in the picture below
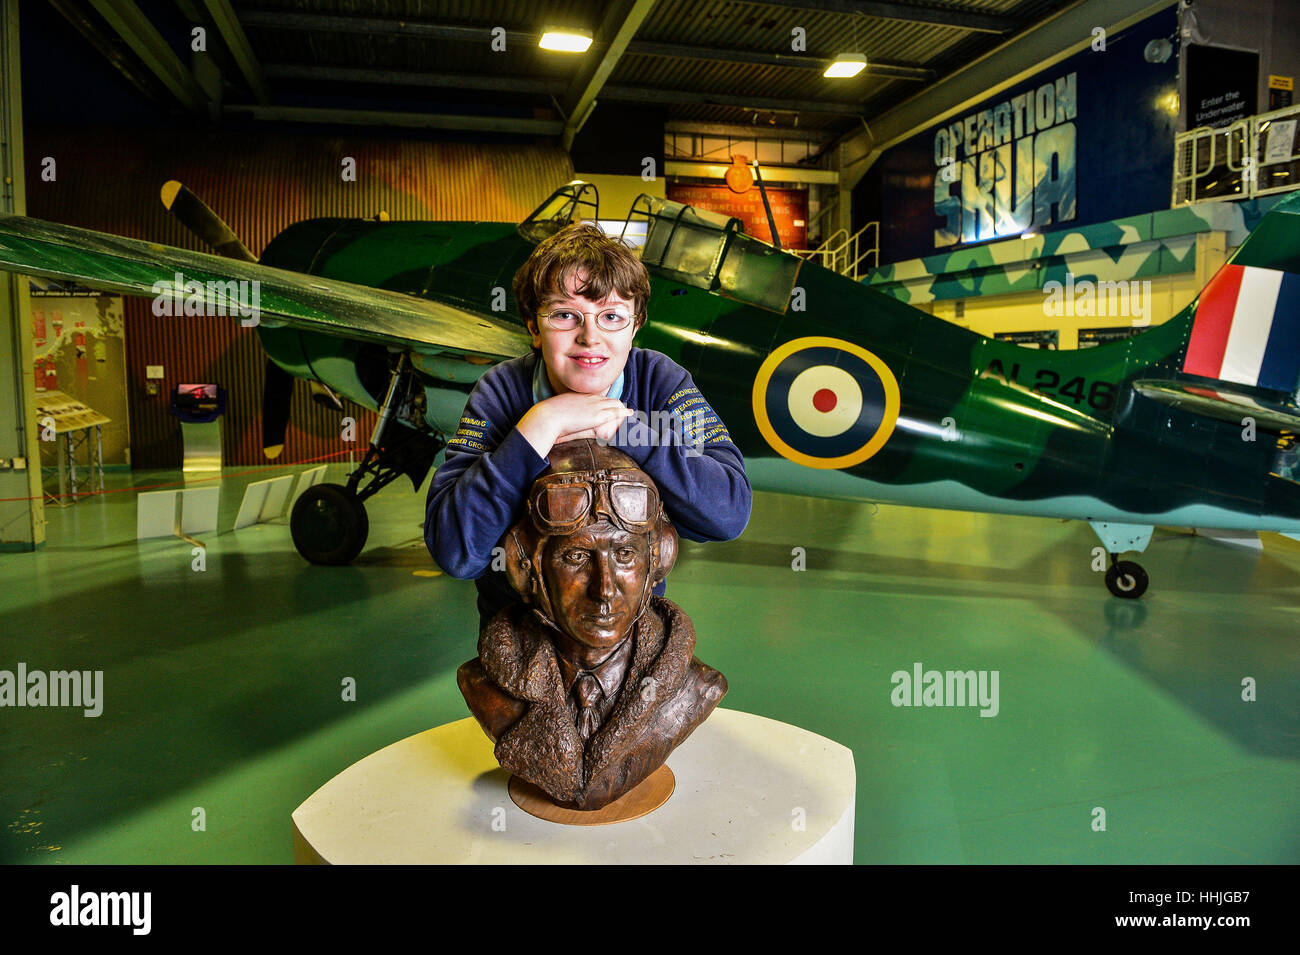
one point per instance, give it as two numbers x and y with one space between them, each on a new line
561 503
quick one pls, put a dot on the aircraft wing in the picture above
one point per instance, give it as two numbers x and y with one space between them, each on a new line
293 299
1221 403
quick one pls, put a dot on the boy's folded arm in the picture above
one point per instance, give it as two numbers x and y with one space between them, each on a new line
473 500
704 489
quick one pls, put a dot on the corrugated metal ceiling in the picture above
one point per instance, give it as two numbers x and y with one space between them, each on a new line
717 61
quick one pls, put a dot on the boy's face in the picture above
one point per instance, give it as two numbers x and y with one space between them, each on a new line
586 359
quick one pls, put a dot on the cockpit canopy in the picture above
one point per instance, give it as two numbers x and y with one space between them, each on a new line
679 242
573 202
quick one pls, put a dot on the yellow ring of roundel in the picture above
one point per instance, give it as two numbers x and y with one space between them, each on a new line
887 421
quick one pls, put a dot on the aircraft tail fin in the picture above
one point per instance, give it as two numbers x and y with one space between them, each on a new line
1247 325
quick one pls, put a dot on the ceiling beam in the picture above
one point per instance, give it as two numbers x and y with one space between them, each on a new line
232 34
379 77
125 64
743 132
328 23
974 20
622 19
361 117
902 71
637 94
771 173
147 43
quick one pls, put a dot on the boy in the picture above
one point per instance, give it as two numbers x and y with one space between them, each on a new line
583 296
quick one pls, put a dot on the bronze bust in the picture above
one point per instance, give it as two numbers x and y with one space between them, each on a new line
589 682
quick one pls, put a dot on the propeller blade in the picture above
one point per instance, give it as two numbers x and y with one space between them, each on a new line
195 215
277 392
276 397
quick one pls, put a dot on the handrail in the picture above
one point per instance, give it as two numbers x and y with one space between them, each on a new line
846 255
1260 155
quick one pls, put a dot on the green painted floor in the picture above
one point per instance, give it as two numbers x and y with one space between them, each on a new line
223 687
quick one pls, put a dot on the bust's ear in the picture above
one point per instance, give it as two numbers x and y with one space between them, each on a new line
667 548
519 565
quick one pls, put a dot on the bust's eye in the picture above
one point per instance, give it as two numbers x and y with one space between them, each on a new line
575 557
625 555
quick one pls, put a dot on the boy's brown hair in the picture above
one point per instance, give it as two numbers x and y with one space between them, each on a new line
610 265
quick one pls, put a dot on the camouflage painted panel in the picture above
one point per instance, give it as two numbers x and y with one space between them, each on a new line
1161 243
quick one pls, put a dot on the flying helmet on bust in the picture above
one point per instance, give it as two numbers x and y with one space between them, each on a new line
587 483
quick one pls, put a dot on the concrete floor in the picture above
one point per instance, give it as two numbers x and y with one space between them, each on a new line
223 688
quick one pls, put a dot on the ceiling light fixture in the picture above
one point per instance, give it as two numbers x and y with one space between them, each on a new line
566 40
846 65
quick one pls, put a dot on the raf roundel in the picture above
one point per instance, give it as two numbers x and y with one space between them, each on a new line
825 403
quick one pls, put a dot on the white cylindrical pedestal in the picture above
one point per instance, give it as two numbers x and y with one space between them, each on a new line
749 790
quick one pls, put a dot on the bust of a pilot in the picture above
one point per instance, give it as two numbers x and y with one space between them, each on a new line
589 682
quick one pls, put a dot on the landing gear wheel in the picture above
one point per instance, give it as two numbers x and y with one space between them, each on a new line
329 524
1127 579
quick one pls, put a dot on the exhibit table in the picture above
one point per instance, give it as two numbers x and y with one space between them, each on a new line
748 790
74 424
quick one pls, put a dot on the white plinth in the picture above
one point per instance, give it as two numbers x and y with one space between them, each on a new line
749 791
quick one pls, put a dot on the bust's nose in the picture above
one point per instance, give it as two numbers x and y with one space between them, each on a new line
602 577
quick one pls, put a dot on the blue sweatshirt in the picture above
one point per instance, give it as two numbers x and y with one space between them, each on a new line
482 488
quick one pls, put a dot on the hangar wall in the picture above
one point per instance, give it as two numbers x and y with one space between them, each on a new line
259 185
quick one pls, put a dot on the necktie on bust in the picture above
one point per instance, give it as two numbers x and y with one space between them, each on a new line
587 691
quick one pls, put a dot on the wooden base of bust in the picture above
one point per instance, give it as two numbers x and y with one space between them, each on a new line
651 793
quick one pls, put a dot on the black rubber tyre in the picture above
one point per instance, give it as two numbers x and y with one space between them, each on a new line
329 525
1127 579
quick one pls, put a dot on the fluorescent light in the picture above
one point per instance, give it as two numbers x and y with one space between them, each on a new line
567 40
846 65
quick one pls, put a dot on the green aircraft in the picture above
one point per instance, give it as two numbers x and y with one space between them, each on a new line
829 387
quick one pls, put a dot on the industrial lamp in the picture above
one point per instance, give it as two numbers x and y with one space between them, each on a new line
846 65
566 40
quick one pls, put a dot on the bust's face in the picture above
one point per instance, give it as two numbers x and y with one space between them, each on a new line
595 577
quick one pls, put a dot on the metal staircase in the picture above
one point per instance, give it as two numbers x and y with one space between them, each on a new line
850 255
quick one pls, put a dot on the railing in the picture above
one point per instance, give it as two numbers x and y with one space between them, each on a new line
1255 156
846 253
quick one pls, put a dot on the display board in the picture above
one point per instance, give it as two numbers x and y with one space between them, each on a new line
1049 339
789 209
1221 85
1088 140
80 348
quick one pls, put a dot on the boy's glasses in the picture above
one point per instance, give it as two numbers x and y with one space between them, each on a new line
567 319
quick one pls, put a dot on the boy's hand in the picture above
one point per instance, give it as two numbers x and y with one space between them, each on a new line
571 416
604 434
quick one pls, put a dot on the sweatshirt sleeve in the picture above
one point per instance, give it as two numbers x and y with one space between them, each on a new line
699 470
476 494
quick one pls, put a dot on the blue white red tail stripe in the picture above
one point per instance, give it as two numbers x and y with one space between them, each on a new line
1247 328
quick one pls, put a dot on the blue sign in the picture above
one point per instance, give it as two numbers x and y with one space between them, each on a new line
1089 140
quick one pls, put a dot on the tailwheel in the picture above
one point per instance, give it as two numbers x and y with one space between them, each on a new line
329 524
1126 579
